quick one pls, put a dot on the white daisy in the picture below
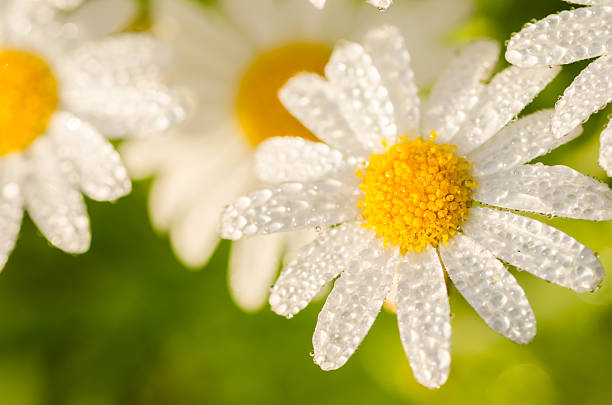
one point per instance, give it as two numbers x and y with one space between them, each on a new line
568 37
236 58
409 207
59 88
381 4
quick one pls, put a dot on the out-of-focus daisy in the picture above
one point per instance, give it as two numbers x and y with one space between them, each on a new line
397 194
236 58
59 90
381 4
568 37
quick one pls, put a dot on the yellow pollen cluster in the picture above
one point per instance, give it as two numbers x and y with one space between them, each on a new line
260 112
28 99
417 193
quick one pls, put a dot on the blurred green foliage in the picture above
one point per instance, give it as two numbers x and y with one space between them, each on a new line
127 324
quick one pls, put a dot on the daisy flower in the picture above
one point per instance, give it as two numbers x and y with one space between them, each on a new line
568 37
60 89
381 4
396 194
235 58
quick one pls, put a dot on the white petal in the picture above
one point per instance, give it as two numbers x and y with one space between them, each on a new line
535 247
362 97
65 4
249 16
139 109
88 158
489 288
194 235
423 316
589 2
337 21
53 203
119 60
294 159
205 42
605 149
551 190
519 142
289 206
34 23
315 265
353 304
143 157
382 4
11 205
297 240
102 17
313 101
253 265
387 48
562 38
458 87
427 42
318 3
192 165
391 298
504 97
590 91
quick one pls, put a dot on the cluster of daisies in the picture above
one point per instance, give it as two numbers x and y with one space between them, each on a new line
357 181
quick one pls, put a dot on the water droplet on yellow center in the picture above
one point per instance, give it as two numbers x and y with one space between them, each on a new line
259 110
28 99
416 194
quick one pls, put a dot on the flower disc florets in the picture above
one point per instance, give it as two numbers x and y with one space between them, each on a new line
28 99
417 193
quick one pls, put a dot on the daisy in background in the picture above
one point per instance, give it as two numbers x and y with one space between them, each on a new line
235 58
60 89
567 37
381 4
407 191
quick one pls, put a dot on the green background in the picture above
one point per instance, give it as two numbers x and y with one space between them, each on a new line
125 323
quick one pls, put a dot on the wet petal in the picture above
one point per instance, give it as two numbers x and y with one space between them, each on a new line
294 159
551 190
289 206
457 89
590 91
119 60
535 247
519 142
605 149
563 38
140 109
11 205
504 97
353 304
387 48
489 288
313 101
315 265
423 315
362 97
89 159
53 202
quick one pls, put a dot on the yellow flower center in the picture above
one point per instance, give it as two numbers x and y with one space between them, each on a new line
259 110
28 99
417 193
